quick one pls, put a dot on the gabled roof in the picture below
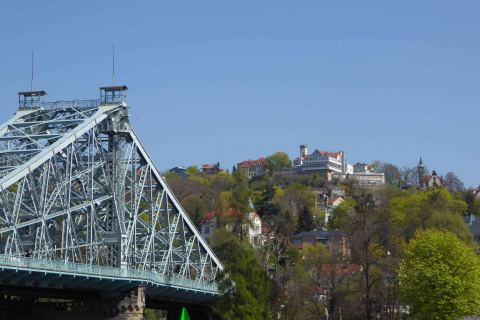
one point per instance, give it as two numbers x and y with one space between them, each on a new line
332 200
252 163
326 153
208 217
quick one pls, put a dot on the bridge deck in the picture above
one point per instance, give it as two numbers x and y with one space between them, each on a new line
21 271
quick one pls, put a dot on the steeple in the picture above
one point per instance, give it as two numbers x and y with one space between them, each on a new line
420 163
420 172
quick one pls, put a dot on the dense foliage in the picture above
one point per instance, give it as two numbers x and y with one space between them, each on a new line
440 276
353 277
248 291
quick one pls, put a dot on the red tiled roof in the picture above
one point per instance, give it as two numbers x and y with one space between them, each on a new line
475 191
326 153
252 163
428 177
206 218
331 200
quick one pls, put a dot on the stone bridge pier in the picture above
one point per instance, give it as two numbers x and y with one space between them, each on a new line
131 305
26 304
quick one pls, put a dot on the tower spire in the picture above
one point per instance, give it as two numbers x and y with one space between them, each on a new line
420 172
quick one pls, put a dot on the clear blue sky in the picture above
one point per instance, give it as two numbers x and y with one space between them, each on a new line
232 80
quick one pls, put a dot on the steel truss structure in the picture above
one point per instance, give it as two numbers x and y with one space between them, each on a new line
76 185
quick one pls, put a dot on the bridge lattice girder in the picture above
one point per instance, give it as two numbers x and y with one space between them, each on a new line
76 185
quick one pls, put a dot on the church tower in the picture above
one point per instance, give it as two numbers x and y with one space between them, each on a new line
420 172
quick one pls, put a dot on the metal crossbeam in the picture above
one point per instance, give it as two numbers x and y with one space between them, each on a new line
30 136
76 185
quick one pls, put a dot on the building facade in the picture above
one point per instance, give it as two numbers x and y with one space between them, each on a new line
325 163
425 181
253 168
334 240
252 229
181 171
211 168
362 174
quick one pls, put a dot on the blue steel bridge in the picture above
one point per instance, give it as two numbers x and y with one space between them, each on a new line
82 206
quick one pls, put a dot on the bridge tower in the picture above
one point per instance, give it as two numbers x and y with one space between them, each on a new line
83 206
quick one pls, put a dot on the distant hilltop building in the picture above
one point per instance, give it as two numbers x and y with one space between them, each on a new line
363 174
333 165
325 163
252 228
211 168
253 168
425 181
181 171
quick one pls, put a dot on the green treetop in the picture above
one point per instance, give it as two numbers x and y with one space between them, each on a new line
440 276
251 295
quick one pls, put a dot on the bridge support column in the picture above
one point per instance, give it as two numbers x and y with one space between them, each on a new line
131 305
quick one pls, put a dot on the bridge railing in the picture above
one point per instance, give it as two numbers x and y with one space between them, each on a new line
103 271
74 104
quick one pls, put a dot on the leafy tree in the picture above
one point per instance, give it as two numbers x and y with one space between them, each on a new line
440 276
341 213
195 207
392 174
314 180
252 294
472 201
292 200
314 256
305 220
195 185
364 221
221 181
193 171
291 279
171 176
277 161
239 198
334 279
453 183
265 204
409 176
435 208
363 229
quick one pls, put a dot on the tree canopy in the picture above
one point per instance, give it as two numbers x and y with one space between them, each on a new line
435 208
278 161
252 294
453 183
440 276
